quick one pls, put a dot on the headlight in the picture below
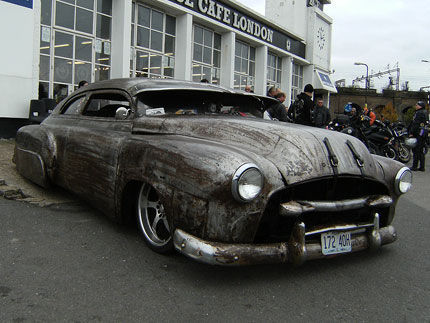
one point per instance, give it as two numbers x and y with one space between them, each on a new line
403 181
247 182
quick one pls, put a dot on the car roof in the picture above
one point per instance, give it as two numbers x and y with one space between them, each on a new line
137 85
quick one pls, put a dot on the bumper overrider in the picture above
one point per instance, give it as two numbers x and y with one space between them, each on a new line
296 250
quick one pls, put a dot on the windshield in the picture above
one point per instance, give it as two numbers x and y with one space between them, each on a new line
192 102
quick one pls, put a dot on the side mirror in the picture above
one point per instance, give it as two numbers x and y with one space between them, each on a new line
122 113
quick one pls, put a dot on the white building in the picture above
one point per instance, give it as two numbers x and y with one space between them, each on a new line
49 46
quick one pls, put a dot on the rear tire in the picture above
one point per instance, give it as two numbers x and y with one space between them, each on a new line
152 220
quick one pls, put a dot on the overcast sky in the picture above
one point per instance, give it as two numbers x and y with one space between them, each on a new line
380 33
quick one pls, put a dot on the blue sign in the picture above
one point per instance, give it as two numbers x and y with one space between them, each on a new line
22 3
325 79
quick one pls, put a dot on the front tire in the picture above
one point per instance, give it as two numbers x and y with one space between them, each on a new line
404 153
152 220
390 152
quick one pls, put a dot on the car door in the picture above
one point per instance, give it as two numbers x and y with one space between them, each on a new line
88 144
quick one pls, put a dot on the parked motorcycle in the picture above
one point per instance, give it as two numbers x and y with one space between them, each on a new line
378 138
382 136
400 133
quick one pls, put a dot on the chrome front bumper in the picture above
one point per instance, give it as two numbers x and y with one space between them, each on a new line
296 250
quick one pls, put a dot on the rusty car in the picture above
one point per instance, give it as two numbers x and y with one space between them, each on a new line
201 171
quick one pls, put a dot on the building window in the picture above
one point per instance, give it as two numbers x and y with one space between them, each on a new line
297 81
244 66
74 44
153 43
274 67
206 55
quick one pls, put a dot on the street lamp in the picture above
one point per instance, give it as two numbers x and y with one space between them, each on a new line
367 79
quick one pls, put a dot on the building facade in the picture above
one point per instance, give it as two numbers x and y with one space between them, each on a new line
54 44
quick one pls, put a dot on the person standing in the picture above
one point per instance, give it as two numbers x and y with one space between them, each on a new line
278 111
302 108
321 114
416 130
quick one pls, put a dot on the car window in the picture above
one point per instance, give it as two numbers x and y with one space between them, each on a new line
189 102
105 105
75 106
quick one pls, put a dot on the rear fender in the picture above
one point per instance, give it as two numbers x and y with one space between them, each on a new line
35 154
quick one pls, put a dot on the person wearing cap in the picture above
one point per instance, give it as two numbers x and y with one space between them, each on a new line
305 118
416 130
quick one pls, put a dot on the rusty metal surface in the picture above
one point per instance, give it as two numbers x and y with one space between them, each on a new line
190 161
296 251
295 208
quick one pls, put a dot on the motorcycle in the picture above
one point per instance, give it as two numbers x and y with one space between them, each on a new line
378 138
400 133
382 136
339 123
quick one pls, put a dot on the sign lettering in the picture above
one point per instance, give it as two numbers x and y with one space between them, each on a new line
218 11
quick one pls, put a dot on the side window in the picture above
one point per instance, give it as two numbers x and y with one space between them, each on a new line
75 106
105 105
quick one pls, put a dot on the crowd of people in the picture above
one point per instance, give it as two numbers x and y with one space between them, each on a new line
313 113
303 110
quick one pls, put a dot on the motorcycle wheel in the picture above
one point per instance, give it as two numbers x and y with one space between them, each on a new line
404 153
390 152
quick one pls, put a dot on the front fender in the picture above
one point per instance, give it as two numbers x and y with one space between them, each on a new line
194 177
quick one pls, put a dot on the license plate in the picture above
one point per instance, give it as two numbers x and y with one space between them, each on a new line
335 242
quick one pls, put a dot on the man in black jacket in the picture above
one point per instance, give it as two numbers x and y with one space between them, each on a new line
321 114
416 130
305 115
278 111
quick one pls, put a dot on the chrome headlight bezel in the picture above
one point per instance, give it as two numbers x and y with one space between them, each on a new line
403 181
239 180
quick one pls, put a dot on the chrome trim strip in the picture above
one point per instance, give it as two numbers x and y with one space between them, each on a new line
355 228
296 208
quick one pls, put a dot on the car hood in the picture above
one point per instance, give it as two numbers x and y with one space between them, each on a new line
299 152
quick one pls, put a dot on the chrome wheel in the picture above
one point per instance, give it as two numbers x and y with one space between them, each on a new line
152 220
390 152
404 153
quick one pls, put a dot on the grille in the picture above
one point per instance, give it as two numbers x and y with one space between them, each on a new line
276 228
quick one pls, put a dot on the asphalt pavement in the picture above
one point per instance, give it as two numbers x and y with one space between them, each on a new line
66 262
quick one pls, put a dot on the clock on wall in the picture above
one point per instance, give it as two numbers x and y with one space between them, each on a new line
321 38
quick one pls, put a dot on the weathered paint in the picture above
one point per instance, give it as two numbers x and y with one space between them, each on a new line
190 161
